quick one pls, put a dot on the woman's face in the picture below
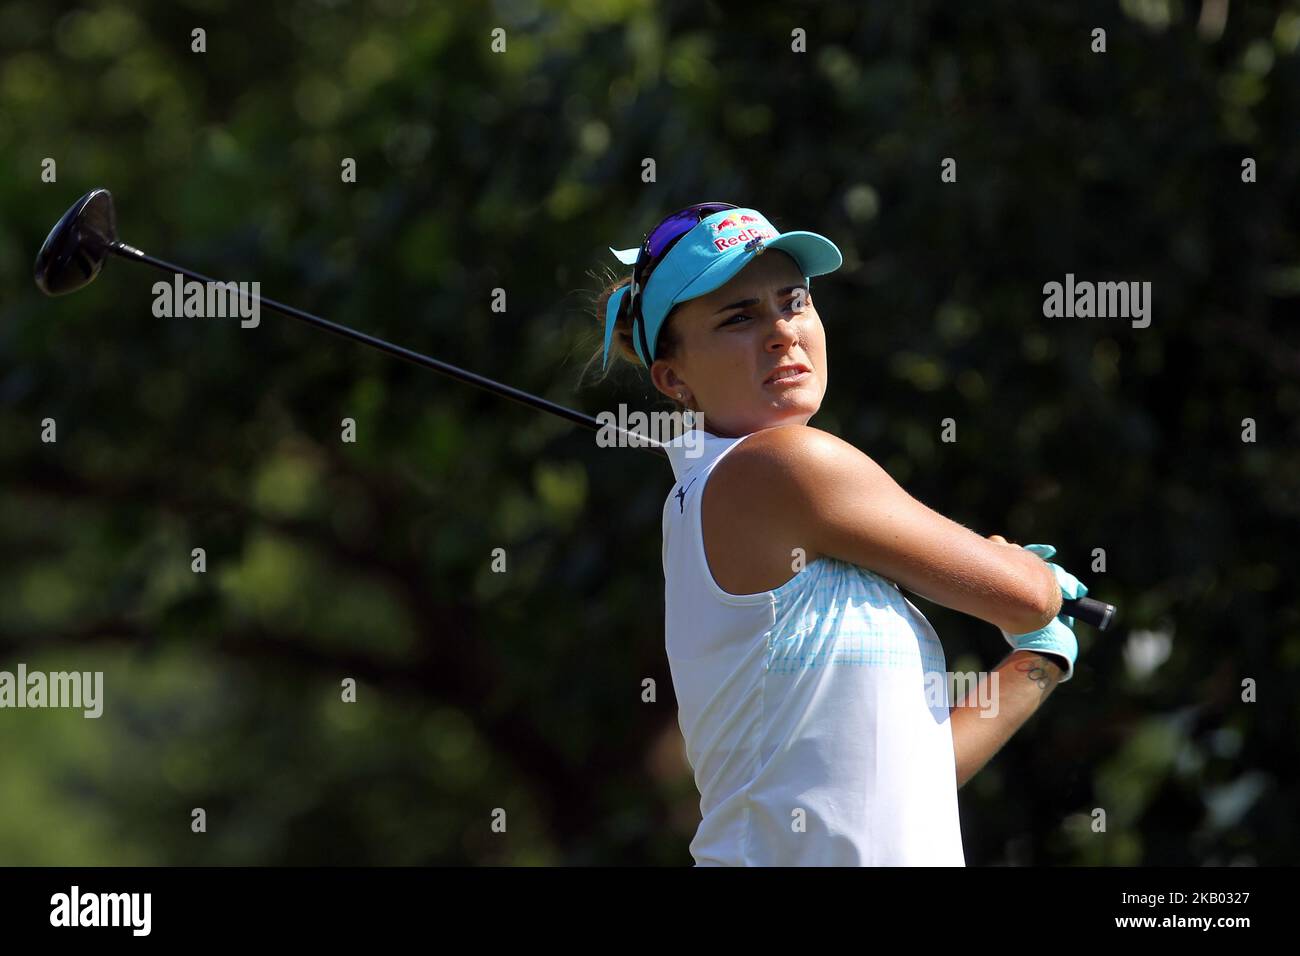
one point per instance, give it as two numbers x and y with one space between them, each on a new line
732 340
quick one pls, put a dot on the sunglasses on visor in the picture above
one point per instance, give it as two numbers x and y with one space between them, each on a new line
656 245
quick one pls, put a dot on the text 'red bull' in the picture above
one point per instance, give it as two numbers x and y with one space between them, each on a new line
744 235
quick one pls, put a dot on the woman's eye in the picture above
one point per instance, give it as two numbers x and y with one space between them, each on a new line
793 305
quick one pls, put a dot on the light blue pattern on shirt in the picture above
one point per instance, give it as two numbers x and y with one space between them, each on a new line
833 612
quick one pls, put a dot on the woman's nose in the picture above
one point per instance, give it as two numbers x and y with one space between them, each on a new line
784 332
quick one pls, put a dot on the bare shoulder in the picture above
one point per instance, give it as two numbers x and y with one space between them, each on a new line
802 479
789 475
787 444
792 459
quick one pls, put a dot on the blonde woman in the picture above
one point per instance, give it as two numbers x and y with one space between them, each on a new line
805 679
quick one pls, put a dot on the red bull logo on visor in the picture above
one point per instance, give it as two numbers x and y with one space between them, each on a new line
722 243
734 222
747 228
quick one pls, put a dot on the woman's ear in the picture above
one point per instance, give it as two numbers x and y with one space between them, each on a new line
668 382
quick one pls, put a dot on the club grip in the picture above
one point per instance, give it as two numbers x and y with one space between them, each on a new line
1097 613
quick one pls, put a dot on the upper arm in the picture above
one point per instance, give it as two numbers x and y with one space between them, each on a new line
823 492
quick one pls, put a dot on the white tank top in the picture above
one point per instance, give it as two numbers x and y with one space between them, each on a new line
814 734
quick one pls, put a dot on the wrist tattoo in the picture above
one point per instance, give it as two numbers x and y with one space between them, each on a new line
1036 670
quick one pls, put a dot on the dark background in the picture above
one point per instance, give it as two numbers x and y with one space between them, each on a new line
518 170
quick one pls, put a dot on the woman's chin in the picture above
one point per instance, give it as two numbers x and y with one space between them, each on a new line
802 400
792 409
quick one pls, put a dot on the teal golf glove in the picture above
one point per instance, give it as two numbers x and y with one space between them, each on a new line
1057 638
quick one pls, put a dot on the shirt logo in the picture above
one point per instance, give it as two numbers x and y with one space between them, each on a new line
681 496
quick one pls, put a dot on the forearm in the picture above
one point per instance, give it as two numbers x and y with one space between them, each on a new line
1024 681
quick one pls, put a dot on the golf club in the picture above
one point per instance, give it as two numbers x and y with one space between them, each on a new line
74 252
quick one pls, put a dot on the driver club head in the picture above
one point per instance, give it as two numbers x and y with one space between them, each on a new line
76 247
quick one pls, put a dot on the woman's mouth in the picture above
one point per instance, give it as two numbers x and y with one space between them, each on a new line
787 375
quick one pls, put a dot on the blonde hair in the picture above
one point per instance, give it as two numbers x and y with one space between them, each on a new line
620 346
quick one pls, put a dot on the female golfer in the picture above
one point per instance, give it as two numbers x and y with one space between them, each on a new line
812 694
